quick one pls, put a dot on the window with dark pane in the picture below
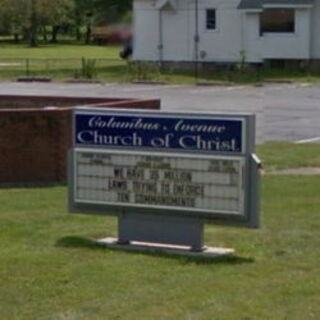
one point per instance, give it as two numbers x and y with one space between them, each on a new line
277 21
211 19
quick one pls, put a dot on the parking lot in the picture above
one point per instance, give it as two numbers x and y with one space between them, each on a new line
288 112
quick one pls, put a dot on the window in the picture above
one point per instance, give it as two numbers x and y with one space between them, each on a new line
277 21
211 19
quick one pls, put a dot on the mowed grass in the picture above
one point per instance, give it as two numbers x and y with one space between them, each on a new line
63 61
51 269
60 61
284 155
57 51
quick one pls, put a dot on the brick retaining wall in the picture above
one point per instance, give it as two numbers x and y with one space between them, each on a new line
34 141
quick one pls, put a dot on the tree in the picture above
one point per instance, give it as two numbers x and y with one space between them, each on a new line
112 10
27 17
14 14
55 13
90 12
82 10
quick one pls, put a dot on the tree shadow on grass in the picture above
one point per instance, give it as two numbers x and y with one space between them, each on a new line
76 242
31 185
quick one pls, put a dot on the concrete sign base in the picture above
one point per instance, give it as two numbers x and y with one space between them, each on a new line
208 252
178 231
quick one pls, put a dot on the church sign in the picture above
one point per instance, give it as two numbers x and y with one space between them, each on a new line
170 132
140 164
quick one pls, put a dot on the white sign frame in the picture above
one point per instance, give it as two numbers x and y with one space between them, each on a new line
193 211
250 215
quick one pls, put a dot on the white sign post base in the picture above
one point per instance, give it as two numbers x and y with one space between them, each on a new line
208 252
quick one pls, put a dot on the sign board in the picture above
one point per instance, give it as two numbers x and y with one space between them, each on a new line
197 165
172 132
201 184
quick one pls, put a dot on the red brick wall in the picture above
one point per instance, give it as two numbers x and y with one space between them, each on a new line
34 143
44 101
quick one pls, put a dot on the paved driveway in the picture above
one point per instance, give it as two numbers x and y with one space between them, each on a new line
284 112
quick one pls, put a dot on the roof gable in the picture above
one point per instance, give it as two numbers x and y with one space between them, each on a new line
162 4
260 4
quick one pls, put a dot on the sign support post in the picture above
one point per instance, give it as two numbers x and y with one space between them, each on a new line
155 229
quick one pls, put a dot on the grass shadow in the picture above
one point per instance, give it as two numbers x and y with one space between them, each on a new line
85 243
32 185
77 242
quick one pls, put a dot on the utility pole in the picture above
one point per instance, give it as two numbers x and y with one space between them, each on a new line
33 23
196 41
160 41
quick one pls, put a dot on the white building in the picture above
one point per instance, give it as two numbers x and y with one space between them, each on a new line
230 31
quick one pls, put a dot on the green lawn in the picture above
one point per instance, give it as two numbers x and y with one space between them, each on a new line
63 61
284 155
50 268
57 51
60 61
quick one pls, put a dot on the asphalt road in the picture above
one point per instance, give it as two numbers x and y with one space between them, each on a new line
289 112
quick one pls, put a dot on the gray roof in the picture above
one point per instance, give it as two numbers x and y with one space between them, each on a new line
258 4
250 4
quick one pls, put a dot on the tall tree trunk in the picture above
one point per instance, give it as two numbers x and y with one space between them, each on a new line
44 34
16 37
33 25
54 34
78 23
88 33
78 33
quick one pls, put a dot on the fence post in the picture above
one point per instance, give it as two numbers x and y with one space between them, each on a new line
47 62
27 67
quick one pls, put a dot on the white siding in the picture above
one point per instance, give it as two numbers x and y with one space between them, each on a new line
236 35
177 39
146 34
274 45
290 46
253 46
178 28
224 43
315 31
